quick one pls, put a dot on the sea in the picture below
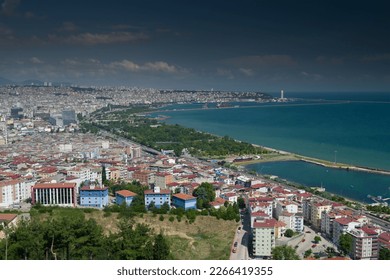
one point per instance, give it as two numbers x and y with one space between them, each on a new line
343 127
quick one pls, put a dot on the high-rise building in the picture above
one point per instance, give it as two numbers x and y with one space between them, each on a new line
69 117
16 113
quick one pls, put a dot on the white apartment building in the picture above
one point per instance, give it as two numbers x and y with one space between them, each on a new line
14 191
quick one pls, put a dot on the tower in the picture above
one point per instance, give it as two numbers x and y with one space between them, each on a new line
281 94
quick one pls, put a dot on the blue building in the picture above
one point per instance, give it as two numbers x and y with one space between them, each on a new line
124 196
158 196
185 201
93 196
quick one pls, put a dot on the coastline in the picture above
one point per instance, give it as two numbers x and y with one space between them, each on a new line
287 156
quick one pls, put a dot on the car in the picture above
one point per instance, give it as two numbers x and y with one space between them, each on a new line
239 229
303 240
314 245
235 247
308 231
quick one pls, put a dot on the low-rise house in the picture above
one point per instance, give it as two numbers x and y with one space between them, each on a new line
124 196
230 196
218 203
384 240
185 201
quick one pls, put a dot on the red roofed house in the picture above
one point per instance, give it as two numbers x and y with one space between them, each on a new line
218 202
230 196
384 240
185 201
124 196
61 194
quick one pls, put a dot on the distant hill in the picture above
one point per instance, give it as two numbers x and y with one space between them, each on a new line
31 82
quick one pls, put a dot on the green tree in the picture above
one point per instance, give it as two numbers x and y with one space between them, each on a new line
289 233
284 253
345 243
204 193
317 239
331 252
384 254
104 176
160 248
241 203
307 253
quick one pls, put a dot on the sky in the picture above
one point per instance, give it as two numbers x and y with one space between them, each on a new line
222 45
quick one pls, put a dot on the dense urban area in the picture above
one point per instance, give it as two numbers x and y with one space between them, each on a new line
85 173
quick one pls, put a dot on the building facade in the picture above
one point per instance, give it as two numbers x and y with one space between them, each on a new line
158 197
92 196
185 201
60 194
124 196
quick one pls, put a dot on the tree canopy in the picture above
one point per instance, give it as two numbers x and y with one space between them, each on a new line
284 253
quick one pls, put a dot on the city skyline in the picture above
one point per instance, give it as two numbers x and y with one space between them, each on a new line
253 45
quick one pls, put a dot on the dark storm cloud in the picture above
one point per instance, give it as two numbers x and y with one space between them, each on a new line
250 44
8 7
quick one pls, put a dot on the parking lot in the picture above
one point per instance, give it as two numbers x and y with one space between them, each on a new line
305 241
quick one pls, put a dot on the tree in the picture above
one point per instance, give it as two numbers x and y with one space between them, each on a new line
204 193
289 233
284 253
307 253
241 203
384 254
317 239
104 176
345 243
160 248
331 252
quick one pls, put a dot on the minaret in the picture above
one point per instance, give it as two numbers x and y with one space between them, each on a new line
281 94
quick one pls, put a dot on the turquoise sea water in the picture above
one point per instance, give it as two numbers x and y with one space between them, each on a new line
355 130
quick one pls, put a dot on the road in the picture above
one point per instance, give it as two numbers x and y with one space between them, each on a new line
129 142
242 237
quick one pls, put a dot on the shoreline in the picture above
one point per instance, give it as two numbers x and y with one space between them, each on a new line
287 156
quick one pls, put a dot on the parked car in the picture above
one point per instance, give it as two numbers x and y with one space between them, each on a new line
235 247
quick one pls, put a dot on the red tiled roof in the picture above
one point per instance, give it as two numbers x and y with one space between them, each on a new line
385 236
54 186
125 193
8 182
184 196
344 221
230 194
218 201
266 223
259 214
7 217
173 184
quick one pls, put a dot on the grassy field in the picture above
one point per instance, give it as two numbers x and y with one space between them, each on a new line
206 239
196 241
